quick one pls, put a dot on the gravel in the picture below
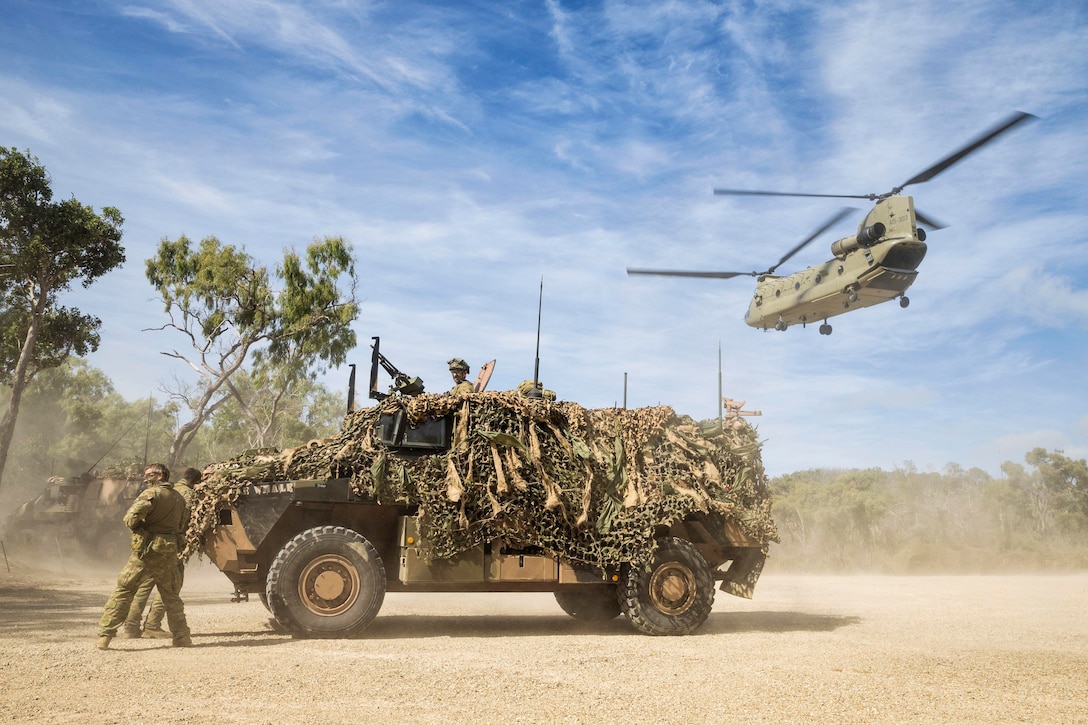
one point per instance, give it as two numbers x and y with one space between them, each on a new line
807 649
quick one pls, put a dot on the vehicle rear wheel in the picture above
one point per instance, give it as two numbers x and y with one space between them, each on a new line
590 603
111 546
109 551
673 595
326 582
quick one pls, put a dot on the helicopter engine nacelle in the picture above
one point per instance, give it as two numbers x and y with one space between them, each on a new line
870 235
867 237
843 247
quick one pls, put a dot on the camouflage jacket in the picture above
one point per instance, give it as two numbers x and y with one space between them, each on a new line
159 510
186 493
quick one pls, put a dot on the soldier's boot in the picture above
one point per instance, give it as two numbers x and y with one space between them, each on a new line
183 641
104 641
131 632
156 633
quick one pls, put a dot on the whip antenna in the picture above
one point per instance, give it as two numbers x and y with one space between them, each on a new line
147 428
536 391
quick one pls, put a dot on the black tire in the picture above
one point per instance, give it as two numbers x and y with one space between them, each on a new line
263 596
590 603
326 582
111 551
674 595
111 545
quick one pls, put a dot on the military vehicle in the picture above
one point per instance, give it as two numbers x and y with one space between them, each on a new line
614 511
877 264
78 515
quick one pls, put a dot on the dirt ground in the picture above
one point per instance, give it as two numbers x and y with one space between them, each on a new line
826 649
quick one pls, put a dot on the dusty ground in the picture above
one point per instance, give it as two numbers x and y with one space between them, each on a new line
836 649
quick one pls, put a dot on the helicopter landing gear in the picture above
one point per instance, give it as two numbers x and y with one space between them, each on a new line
904 301
852 294
780 325
825 329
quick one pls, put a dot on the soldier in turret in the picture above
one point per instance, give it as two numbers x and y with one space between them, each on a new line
158 518
459 371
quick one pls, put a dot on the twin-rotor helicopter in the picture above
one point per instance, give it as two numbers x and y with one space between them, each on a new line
875 265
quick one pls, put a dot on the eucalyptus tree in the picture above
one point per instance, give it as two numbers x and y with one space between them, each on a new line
291 323
45 246
1060 490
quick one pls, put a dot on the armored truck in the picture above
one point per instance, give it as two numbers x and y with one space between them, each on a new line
79 515
636 512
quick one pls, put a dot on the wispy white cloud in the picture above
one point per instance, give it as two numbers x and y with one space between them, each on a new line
408 63
1047 300
31 114
559 31
167 20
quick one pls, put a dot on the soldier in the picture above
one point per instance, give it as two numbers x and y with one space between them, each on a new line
158 518
525 387
459 371
153 626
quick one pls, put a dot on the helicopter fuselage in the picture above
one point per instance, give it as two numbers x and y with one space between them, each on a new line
875 265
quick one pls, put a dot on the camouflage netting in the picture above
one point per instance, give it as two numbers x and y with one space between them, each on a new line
588 485
128 471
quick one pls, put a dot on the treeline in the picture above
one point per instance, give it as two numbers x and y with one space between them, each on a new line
1034 517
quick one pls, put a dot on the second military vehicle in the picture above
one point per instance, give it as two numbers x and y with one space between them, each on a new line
78 515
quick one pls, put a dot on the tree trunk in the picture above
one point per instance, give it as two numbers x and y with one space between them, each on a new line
18 383
185 434
204 408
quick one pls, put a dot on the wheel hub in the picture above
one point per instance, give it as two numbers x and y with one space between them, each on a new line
673 588
329 585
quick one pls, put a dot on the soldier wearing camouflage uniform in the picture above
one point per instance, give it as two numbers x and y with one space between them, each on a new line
525 387
459 371
158 518
152 627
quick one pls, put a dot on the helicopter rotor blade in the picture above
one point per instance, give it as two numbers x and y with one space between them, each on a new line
827 225
704 275
928 220
744 192
1007 125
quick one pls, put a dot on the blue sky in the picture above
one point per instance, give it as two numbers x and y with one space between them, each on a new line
468 150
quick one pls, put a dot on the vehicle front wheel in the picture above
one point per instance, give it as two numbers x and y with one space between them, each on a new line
326 582
673 595
594 603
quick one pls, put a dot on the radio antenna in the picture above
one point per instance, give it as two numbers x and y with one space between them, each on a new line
536 392
147 429
721 421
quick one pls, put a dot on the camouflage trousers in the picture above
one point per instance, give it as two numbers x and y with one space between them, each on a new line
162 571
155 616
